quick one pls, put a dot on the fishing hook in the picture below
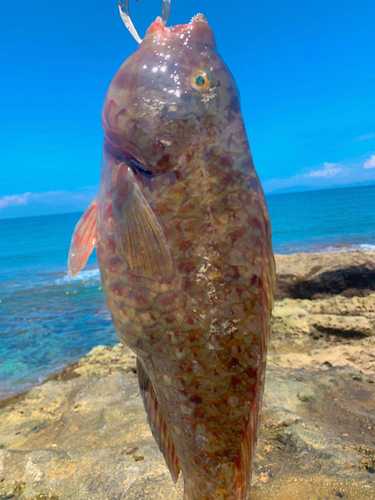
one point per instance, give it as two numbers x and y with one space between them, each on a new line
125 16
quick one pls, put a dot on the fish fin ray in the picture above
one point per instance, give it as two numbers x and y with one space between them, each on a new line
243 469
244 461
138 234
157 422
83 239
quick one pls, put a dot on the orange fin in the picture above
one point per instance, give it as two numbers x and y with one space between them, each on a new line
244 461
156 421
83 239
138 233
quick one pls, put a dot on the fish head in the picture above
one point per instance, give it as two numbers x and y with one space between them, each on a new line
173 93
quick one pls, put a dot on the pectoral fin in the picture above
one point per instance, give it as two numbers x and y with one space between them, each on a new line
157 422
83 239
138 234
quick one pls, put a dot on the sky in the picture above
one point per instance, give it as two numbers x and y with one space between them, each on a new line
305 71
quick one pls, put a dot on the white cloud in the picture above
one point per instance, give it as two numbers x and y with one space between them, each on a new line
349 172
329 170
370 163
15 200
365 137
46 202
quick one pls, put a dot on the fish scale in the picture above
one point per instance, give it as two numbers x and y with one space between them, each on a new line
187 264
218 383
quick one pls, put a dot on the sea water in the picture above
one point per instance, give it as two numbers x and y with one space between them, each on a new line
48 319
321 221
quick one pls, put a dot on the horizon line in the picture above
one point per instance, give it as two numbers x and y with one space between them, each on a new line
271 193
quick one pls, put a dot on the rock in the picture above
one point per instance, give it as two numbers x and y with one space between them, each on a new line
82 438
338 330
308 276
311 430
86 437
100 362
83 434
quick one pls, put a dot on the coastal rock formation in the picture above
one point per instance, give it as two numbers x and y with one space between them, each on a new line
337 331
310 276
83 435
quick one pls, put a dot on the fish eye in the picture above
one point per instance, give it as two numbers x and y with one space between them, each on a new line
200 81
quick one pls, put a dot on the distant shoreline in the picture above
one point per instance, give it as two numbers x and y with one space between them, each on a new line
277 192
309 189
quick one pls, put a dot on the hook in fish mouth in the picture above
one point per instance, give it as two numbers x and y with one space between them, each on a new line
125 16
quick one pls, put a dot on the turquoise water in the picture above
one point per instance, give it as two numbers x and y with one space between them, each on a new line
48 319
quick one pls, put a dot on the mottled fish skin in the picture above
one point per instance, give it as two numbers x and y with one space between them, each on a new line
200 330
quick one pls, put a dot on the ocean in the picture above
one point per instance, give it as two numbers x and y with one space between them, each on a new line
48 319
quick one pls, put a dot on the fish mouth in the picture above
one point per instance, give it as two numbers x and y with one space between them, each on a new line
198 18
198 28
158 24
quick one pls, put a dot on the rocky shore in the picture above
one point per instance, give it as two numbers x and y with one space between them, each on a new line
83 435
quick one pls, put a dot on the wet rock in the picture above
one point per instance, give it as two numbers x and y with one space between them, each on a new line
309 276
87 437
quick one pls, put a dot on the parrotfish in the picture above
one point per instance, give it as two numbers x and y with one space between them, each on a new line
183 240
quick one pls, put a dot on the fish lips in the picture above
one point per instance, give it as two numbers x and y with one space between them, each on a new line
198 31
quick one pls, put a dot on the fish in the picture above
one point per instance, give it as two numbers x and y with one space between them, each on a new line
183 240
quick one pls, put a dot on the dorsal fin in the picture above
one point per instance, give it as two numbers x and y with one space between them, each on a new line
157 422
83 239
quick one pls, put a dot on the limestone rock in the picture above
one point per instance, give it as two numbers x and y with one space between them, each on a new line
309 275
86 437
83 434
82 438
338 330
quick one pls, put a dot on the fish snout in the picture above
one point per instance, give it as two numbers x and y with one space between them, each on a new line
197 31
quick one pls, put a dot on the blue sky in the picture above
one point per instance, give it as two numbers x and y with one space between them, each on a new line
306 72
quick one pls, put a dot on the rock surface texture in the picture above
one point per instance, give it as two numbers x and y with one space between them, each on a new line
310 276
83 434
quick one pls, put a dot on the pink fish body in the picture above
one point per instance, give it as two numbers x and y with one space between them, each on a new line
183 240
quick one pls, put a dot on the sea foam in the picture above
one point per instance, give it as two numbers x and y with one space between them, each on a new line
89 275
